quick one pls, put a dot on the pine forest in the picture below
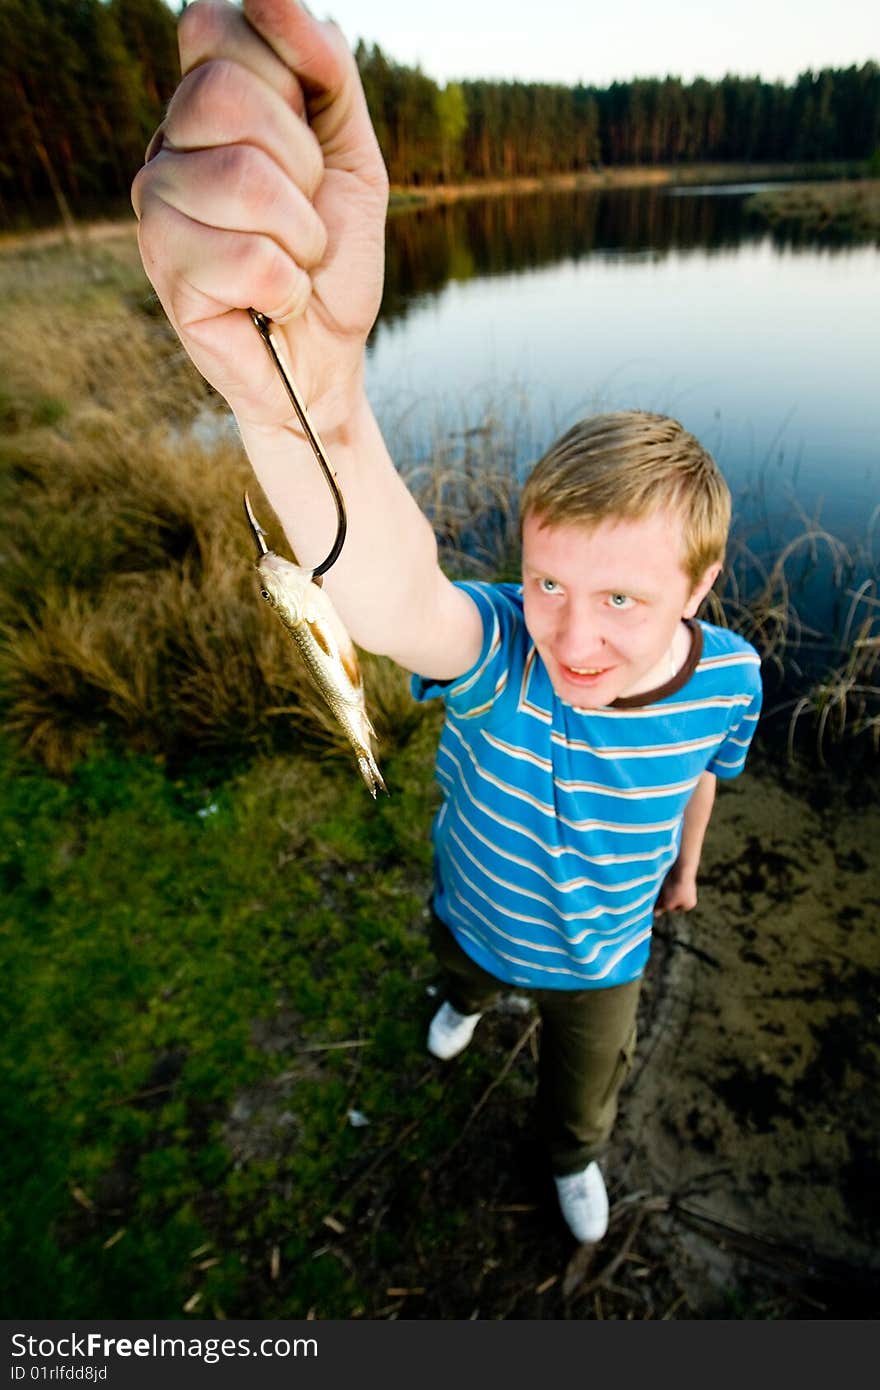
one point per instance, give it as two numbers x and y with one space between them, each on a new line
83 84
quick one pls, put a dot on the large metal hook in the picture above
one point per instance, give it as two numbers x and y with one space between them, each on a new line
264 327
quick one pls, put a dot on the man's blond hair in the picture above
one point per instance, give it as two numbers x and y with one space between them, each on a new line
629 465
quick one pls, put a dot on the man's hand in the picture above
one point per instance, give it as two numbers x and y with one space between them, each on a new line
265 187
679 891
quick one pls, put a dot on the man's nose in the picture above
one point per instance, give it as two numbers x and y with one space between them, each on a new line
579 637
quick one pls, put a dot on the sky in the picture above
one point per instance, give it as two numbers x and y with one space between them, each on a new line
572 41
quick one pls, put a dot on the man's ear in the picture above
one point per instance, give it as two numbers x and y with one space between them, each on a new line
701 589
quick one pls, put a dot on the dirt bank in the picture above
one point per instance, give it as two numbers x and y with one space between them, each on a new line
634 176
758 1099
85 234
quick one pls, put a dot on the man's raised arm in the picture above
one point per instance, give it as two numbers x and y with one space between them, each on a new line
265 188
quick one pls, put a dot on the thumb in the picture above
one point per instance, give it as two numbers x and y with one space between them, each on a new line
317 52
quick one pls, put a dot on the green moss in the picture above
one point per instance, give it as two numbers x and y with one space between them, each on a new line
180 981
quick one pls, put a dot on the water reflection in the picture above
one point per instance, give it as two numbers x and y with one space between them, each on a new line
541 308
429 247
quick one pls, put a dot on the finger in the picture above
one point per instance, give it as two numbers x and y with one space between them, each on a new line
215 270
211 29
239 188
220 103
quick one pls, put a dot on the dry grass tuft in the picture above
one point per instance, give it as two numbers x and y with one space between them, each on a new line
847 700
470 489
758 599
128 602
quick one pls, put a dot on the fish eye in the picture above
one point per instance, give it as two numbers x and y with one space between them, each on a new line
264 593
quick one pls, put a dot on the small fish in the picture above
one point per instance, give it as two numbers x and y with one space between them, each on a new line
325 646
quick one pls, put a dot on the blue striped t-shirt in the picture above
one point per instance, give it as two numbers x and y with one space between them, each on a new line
558 825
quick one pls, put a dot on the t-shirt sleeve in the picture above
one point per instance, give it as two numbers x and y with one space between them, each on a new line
474 694
730 759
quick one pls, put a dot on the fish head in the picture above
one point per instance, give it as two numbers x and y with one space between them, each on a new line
287 587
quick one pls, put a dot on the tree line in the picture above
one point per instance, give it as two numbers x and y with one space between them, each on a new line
432 134
83 84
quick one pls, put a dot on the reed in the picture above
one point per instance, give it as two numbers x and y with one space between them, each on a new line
846 701
845 210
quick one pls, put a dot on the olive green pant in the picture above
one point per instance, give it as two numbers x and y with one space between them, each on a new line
588 1042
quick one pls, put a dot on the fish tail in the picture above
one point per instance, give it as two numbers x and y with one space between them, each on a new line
371 774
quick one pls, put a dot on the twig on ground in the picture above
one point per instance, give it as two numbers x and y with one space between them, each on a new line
493 1085
601 1280
674 1307
585 1256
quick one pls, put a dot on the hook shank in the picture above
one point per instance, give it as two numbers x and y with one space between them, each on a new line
263 326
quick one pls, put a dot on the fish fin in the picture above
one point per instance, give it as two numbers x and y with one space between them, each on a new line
329 631
320 636
344 649
352 667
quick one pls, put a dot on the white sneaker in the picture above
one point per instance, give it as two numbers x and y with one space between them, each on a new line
583 1202
450 1032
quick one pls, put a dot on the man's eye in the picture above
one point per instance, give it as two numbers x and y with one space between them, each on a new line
620 600
548 586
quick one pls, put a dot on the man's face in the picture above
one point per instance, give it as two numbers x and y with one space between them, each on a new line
603 605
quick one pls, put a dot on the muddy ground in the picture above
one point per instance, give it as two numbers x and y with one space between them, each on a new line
744 1171
758 1103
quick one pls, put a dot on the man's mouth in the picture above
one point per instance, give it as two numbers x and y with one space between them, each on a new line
583 673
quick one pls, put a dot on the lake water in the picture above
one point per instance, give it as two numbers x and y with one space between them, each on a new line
542 308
